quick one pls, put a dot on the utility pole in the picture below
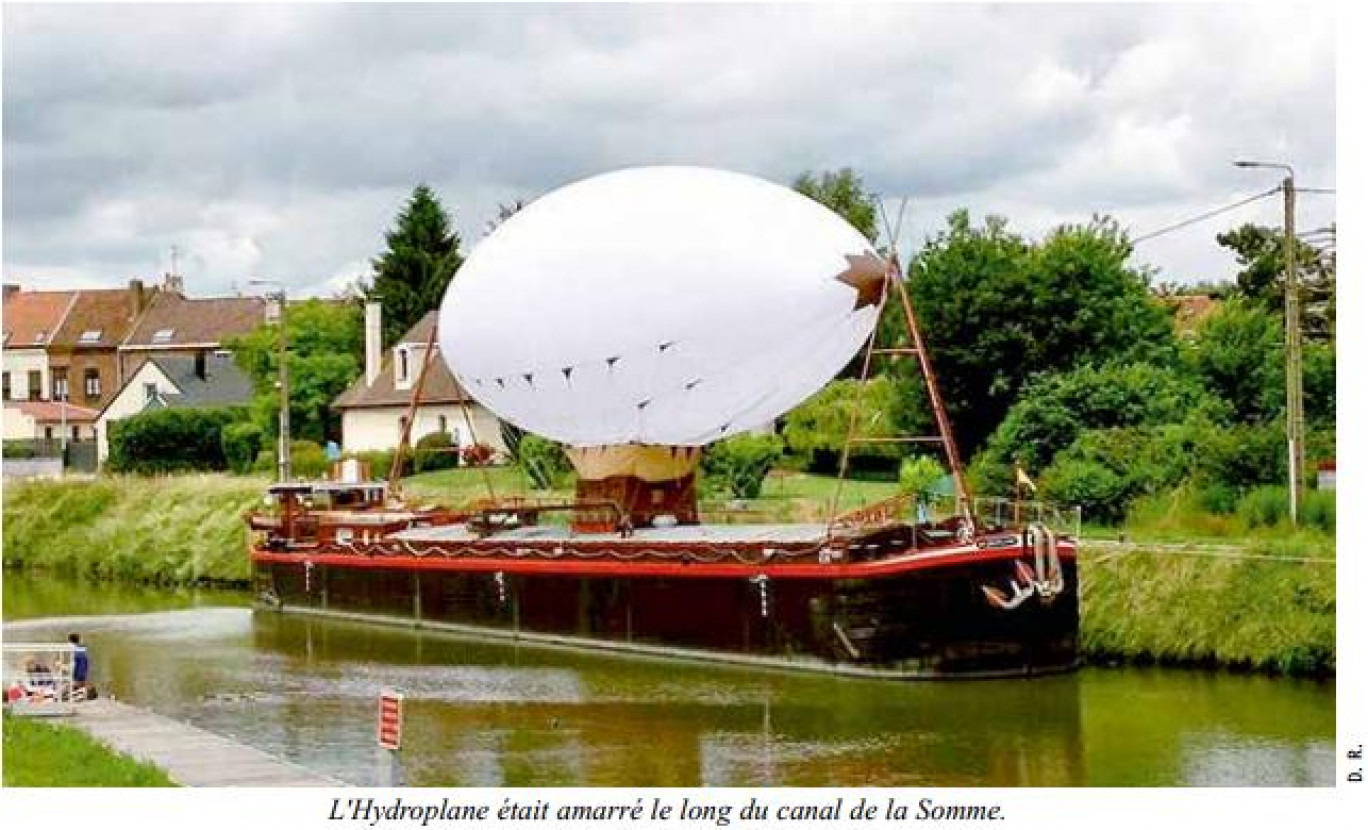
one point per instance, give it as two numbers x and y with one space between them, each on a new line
285 472
283 442
1296 425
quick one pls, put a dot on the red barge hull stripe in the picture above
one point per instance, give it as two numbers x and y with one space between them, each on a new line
572 567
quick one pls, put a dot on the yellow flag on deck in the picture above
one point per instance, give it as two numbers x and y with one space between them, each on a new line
1024 480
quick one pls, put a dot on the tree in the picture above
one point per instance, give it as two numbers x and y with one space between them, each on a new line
422 254
325 353
1237 354
995 310
817 429
1263 271
844 193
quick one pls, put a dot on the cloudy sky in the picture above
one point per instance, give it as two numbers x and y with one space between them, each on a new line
280 141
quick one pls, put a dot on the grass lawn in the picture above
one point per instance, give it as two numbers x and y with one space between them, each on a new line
46 753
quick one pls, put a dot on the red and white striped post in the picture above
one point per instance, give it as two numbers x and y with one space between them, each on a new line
389 731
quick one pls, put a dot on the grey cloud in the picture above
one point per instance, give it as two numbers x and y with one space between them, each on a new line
282 139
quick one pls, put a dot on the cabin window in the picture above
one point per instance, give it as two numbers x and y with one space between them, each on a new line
5 391
92 384
59 384
344 535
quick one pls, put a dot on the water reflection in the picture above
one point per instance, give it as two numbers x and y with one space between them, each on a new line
492 714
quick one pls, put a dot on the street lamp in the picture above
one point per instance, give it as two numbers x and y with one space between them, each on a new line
1296 447
283 445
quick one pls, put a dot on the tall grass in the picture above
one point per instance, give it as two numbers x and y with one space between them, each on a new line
1250 614
172 530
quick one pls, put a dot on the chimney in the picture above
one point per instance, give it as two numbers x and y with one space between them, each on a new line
137 297
199 364
372 342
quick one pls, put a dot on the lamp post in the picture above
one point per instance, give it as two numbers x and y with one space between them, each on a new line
283 444
1296 449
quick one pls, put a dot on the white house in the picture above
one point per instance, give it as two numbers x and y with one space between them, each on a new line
175 381
376 406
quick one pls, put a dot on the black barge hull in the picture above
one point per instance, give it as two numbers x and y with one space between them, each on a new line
934 620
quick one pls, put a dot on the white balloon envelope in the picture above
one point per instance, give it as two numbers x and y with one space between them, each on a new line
659 305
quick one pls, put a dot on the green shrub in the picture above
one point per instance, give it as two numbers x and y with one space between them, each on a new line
1318 509
1088 484
169 440
241 443
435 451
307 460
739 465
1218 498
542 461
917 474
1263 506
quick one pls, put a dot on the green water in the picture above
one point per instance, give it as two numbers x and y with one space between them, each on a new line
491 714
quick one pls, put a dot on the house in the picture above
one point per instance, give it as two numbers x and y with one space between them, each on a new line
49 422
375 407
174 324
83 352
1190 311
30 320
192 380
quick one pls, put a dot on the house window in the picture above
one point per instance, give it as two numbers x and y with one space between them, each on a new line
59 384
150 392
6 390
92 384
47 433
403 366
91 335
35 385
75 432
163 335
441 423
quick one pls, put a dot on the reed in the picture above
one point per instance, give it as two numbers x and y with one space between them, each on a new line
167 530
1156 606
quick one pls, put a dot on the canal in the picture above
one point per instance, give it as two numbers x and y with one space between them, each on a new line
494 714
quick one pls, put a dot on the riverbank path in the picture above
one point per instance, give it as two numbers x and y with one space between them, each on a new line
191 756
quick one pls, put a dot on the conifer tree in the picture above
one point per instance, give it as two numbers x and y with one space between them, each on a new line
422 254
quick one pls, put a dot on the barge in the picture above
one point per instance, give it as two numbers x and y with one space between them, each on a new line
617 316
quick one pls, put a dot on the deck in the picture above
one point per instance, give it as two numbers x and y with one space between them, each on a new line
739 534
191 756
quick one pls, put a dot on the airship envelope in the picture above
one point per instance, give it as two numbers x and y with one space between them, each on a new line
659 306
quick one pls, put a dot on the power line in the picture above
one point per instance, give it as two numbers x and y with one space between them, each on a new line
1205 216
1323 190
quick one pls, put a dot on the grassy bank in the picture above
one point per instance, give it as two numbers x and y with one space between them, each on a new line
38 753
175 530
1165 607
1138 605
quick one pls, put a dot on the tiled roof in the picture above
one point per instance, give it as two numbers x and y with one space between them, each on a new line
1191 309
439 386
106 313
29 312
196 321
51 411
